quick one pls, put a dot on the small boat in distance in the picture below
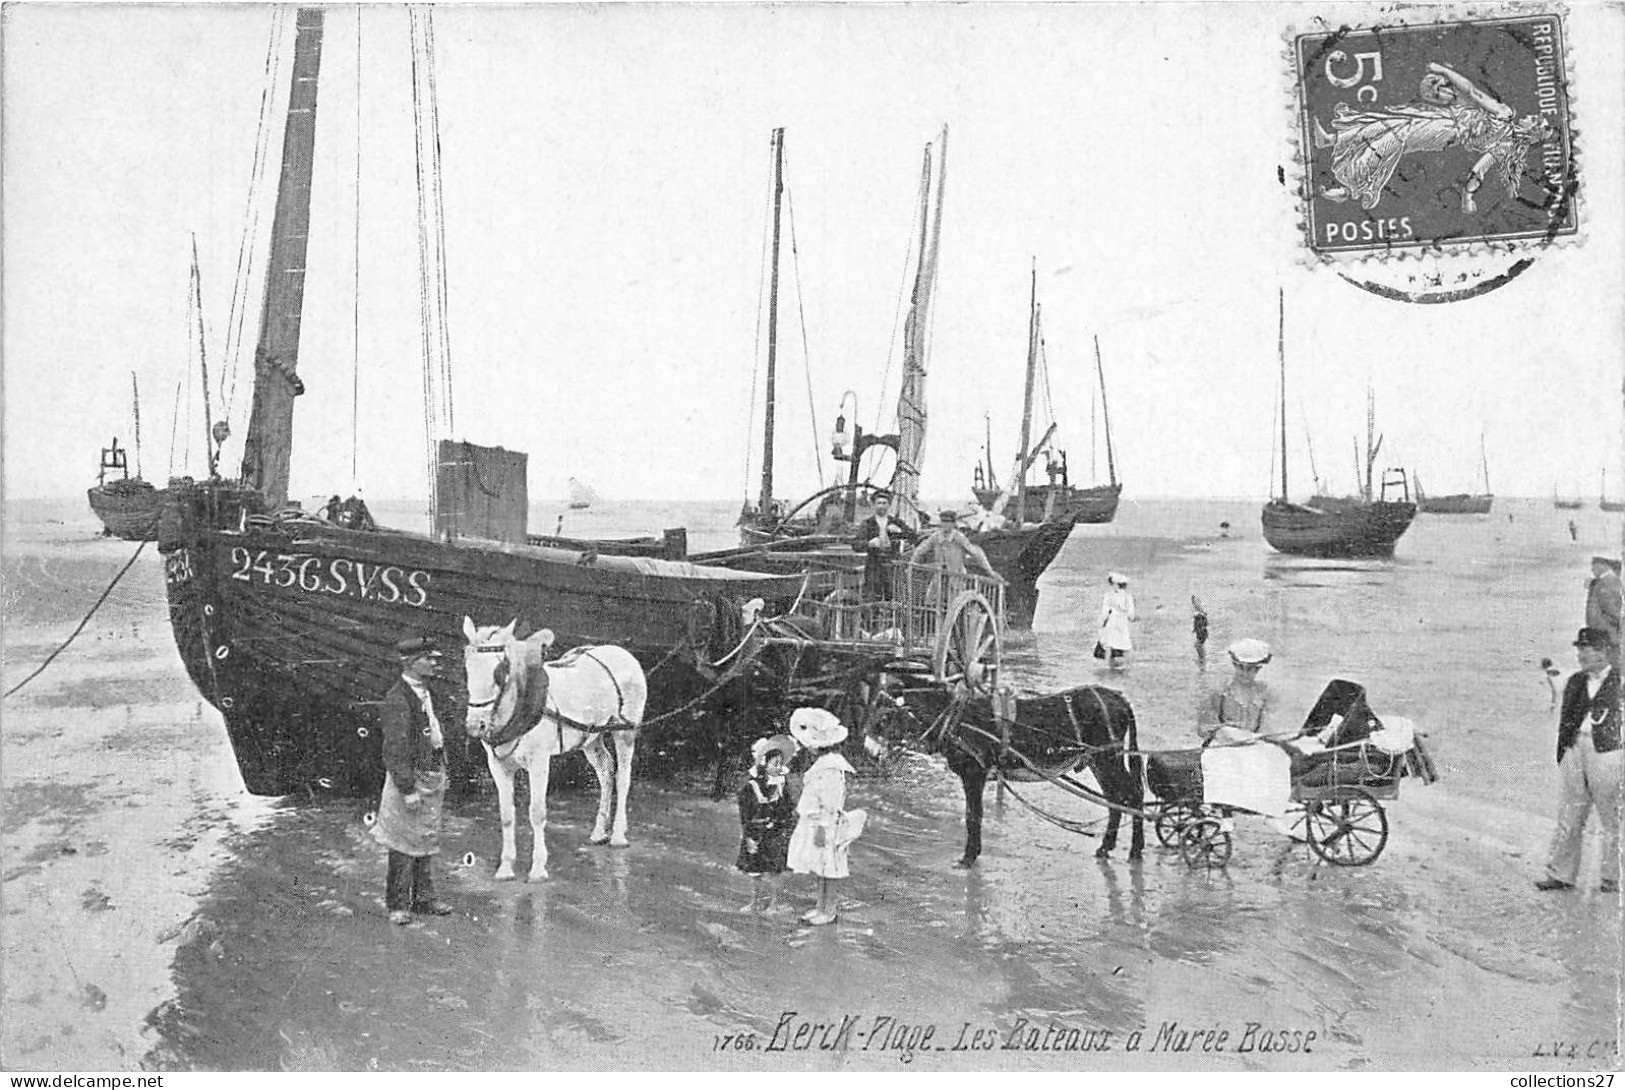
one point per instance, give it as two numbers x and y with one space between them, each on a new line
1059 500
1602 497
1460 503
1566 503
1366 525
581 495
128 506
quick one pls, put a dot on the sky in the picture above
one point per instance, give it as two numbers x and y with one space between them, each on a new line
605 182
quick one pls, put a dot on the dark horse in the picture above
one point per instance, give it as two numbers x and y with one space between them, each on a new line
1089 726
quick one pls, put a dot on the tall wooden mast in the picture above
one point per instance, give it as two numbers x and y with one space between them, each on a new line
765 503
1105 414
268 445
1280 354
1027 397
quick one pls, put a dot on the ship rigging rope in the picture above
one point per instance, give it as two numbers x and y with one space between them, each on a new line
128 564
761 296
355 255
432 297
806 354
897 317
238 314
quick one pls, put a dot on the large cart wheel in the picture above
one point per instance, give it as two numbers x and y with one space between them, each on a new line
1349 830
1205 843
970 646
1170 819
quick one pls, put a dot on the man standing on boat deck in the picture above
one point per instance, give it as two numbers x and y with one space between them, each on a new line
409 813
1589 763
947 549
880 537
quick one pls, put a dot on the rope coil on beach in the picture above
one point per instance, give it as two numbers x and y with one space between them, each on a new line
128 564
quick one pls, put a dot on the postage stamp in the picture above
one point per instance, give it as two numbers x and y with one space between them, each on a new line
1437 138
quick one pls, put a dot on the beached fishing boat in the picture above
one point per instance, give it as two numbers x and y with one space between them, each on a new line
1019 553
1057 500
1460 503
1367 525
128 506
287 622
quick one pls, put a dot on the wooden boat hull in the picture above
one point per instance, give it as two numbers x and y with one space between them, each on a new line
128 509
1021 556
1458 504
1612 505
288 627
1072 505
1340 529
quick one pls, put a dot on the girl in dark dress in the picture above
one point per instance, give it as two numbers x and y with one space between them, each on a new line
767 815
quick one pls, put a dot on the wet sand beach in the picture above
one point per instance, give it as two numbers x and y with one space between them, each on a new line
157 916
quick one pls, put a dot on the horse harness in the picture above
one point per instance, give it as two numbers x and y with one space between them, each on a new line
522 724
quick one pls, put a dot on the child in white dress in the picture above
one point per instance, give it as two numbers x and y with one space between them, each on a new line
824 829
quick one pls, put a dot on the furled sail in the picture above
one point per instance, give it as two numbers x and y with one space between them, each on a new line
911 398
267 448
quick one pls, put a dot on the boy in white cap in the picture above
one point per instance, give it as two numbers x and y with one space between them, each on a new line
824 829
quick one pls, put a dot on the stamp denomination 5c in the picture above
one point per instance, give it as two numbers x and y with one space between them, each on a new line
1438 137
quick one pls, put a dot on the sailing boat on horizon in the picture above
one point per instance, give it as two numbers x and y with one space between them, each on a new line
1058 499
127 506
1602 496
580 495
1367 525
1460 503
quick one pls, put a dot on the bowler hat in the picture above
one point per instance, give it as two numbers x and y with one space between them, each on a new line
416 647
948 516
1595 637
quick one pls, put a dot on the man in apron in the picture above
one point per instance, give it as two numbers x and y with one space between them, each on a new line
414 784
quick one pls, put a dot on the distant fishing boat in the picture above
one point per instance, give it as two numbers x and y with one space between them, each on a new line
1602 498
1566 503
1366 525
1460 503
581 495
1058 500
128 506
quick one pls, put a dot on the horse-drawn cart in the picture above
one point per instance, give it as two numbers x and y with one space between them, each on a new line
1327 785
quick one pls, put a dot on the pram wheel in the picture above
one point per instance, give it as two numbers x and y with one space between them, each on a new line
1203 842
1349 829
1170 819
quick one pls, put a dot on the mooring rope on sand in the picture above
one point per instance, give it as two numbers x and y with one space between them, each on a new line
52 656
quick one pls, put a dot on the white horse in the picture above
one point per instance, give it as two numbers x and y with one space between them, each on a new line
527 711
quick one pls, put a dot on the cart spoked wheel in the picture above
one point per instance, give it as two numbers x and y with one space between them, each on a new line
969 645
1169 821
1204 843
1295 823
1348 831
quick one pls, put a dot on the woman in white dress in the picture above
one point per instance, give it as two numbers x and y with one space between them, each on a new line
824 829
1116 611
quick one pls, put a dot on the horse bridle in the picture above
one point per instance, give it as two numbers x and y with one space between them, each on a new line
498 676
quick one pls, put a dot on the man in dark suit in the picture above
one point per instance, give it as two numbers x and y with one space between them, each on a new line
409 815
1605 599
880 537
1589 763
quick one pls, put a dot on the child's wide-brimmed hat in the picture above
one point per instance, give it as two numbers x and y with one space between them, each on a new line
781 744
816 728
